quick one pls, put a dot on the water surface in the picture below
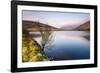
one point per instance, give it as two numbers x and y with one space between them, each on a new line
68 45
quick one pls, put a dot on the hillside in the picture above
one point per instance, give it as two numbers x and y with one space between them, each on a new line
85 26
36 26
70 27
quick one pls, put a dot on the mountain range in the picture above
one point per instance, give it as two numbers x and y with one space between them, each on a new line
84 26
32 26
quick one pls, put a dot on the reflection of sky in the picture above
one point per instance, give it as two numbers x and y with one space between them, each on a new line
65 36
56 19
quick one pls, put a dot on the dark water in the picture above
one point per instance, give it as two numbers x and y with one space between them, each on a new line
68 45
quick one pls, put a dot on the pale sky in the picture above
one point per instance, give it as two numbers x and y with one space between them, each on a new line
56 19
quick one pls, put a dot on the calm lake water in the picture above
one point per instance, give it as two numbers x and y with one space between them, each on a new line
68 45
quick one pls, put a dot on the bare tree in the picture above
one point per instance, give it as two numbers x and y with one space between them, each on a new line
46 36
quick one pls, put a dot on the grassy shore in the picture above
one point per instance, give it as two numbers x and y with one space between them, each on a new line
31 50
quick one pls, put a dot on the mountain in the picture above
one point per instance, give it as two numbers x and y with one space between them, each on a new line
36 26
84 26
70 27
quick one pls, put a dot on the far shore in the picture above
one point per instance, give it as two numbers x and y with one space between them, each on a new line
37 30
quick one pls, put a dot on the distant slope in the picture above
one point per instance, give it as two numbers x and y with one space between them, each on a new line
85 26
70 27
36 26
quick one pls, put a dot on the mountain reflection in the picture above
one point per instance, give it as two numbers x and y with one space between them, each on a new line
68 45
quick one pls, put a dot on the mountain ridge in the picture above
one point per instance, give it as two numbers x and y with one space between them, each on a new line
36 26
84 26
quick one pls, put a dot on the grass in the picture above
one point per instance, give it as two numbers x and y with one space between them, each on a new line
31 50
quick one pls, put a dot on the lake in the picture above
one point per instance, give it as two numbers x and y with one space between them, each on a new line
68 45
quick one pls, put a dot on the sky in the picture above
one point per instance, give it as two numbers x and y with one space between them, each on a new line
56 19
